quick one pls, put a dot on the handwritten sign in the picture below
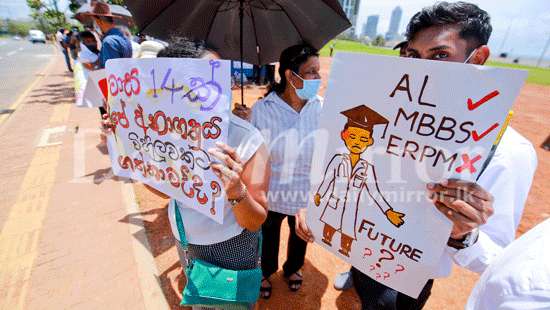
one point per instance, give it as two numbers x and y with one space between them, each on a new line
167 113
391 125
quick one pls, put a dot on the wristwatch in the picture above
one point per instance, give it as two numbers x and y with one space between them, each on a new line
468 240
242 196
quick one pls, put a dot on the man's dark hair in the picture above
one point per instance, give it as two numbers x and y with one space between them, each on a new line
475 23
86 34
181 47
292 58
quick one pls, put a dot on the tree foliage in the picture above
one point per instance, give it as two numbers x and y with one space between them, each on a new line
379 41
47 15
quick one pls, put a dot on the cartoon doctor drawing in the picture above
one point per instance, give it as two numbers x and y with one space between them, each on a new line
347 176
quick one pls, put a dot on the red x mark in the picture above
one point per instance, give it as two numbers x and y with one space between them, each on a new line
468 163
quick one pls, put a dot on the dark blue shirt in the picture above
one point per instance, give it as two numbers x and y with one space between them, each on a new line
114 45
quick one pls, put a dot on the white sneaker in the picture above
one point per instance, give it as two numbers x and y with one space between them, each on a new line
343 281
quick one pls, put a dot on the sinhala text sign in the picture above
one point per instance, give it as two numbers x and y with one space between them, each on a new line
167 113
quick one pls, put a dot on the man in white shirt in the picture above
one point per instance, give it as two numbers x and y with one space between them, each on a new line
520 277
459 32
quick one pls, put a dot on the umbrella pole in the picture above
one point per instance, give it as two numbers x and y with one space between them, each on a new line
241 17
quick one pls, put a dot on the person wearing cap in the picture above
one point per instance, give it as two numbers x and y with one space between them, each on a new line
486 213
149 49
114 43
347 175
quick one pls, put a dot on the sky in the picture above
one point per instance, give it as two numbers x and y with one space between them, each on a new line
529 20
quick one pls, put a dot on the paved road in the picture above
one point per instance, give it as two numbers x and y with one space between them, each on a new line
20 62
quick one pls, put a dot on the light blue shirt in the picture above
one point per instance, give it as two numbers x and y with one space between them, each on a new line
290 138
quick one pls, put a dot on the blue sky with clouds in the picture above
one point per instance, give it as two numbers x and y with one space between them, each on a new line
529 20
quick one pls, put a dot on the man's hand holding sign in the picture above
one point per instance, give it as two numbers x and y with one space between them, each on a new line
434 141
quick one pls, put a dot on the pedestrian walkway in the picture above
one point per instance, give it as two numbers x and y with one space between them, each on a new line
63 242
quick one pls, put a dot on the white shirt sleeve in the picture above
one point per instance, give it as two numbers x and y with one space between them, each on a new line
508 178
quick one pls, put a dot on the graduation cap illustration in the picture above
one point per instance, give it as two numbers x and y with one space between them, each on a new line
364 117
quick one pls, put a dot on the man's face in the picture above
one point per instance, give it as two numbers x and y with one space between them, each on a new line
444 43
357 139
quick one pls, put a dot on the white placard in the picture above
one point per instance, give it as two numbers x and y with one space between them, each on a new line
442 119
168 112
93 95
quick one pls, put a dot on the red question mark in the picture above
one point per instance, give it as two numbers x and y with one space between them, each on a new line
368 252
390 257
216 192
399 269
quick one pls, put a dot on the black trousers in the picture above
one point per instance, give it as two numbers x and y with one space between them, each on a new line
296 249
377 296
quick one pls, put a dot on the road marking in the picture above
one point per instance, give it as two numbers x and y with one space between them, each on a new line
21 232
26 92
11 53
47 133
148 274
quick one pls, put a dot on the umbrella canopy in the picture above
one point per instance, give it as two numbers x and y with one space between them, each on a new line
268 26
122 15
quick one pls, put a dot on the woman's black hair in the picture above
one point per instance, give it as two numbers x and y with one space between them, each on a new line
292 58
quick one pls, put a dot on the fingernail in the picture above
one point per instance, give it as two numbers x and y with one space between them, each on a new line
430 186
445 182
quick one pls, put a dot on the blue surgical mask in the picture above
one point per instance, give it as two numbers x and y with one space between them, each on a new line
309 90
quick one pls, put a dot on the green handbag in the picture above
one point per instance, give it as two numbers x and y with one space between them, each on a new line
212 286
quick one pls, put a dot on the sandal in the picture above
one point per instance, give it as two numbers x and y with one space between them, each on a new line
265 291
296 284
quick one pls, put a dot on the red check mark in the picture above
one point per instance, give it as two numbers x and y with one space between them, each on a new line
478 137
474 105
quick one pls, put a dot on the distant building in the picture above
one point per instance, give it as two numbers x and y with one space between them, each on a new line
370 27
395 21
351 8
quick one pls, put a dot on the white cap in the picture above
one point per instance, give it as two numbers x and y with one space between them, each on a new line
150 49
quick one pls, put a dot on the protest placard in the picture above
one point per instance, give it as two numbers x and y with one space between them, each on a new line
389 126
80 77
95 90
167 113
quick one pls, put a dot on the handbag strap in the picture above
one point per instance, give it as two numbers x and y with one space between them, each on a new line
179 223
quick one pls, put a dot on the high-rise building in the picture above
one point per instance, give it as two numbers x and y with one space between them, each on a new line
351 8
370 27
395 21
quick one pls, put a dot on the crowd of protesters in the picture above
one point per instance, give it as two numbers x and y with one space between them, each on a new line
484 227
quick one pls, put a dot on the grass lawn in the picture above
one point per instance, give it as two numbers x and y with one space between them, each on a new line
539 76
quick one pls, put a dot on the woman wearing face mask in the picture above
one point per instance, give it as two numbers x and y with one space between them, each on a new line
287 117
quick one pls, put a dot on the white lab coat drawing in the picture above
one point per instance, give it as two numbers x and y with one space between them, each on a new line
344 191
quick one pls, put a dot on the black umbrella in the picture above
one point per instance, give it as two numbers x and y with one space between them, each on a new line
269 26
